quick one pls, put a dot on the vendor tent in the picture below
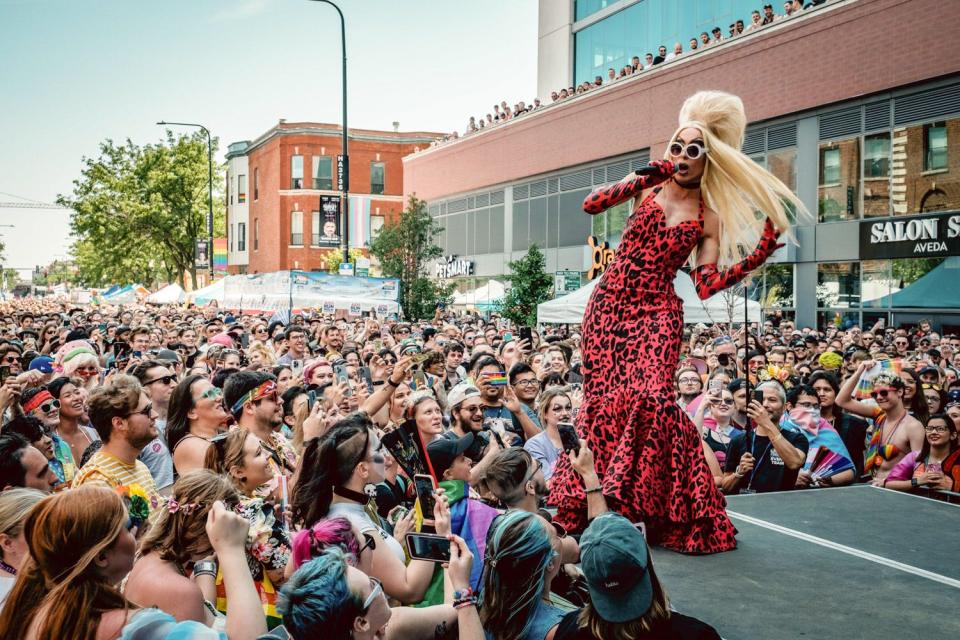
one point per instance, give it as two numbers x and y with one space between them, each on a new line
481 297
128 294
170 294
210 293
936 289
570 308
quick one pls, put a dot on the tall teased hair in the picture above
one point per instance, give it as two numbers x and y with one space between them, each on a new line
65 533
733 185
517 556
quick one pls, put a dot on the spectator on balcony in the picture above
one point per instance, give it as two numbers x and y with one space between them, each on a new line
496 113
733 30
611 74
787 9
564 93
739 29
677 51
756 20
797 7
536 103
554 96
598 81
661 55
649 60
768 15
694 44
472 125
490 120
704 39
635 63
718 35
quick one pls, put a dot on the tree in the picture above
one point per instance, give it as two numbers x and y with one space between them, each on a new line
138 211
530 285
332 259
404 249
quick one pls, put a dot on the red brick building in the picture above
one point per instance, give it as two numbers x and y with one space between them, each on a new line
274 186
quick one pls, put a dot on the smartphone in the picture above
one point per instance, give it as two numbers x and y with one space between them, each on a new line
120 348
367 378
343 377
507 336
935 467
296 367
425 486
417 358
714 386
568 436
758 395
311 400
526 333
432 548
244 340
4 373
419 380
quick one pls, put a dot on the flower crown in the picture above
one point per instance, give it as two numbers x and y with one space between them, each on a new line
773 372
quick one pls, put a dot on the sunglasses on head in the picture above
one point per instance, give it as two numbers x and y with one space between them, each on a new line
692 150
930 385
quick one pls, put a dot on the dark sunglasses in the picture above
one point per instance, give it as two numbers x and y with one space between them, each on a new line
47 407
163 379
144 412
880 393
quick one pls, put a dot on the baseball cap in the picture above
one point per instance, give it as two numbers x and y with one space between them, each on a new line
167 355
409 346
43 364
224 339
933 370
443 452
615 561
460 392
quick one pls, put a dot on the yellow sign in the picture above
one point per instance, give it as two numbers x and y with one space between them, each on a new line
602 256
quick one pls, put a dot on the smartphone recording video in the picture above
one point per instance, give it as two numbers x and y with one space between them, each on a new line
431 548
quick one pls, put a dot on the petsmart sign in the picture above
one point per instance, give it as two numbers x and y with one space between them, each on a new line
911 237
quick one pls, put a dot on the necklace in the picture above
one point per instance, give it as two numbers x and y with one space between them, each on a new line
7 568
895 427
350 494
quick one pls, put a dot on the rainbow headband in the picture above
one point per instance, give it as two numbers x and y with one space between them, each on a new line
258 393
37 400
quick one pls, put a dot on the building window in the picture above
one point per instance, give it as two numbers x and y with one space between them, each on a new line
935 146
296 228
229 195
241 236
876 156
256 184
315 228
376 177
256 234
229 237
241 188
838 285
322 172
296 172
838 194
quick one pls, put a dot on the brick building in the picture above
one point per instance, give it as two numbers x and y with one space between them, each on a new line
844 106
275 183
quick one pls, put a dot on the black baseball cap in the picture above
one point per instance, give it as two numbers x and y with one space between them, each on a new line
444 452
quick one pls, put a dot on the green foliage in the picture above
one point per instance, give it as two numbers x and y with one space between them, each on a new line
56 272
138 210
908 270
332 259
404 250
530 285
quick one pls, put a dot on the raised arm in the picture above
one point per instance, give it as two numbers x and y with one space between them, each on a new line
603 198
708 280
845 399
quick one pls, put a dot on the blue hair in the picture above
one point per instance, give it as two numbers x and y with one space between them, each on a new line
316 601
515 563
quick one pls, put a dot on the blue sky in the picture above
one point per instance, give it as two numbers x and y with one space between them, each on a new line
76 72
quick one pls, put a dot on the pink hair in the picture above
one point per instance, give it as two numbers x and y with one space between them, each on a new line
309 543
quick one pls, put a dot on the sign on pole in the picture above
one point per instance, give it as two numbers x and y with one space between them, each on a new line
566 282
363 267
343 173
201 254
346 268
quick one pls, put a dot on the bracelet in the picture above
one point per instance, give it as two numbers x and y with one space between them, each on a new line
738 474
392 383
205 566
466 602
463 594
914 483
594 490
378 383
204 572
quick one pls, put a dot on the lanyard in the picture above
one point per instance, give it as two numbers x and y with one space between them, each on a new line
756 464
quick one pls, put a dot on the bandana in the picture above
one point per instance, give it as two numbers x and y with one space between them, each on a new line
258 393
37 400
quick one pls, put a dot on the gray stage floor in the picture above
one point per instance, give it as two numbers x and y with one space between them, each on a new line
855 562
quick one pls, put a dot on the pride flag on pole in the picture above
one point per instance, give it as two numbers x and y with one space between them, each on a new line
359 221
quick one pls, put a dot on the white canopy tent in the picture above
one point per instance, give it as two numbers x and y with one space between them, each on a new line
481 296
570 308
170 294
207 294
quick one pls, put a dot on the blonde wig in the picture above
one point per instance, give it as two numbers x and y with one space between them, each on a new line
740 191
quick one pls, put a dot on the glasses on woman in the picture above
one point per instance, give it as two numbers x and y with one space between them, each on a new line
726 402
692 150
935 429
377 589
212 393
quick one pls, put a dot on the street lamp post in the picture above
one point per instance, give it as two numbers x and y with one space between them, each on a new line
345 235
209 187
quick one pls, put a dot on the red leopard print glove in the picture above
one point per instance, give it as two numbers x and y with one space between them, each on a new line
708 281
611 195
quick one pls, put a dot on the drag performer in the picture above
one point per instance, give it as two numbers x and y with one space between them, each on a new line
698 204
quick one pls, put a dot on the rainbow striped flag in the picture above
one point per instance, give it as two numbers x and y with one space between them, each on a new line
359 221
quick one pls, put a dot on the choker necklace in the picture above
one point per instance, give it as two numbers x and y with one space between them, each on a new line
7 568
350 494
695 185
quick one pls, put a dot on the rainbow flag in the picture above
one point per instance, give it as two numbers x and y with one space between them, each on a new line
359 221
881 367
219 254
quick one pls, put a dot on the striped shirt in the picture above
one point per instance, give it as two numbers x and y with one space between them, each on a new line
106 470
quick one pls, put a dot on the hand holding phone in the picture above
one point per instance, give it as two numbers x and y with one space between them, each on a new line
568 437
425 485
429 547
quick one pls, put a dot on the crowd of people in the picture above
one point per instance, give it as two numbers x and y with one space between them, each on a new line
172 470
759 19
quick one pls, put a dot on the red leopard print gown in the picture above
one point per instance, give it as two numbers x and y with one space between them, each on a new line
647 451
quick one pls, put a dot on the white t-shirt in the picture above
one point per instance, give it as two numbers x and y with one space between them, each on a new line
6 586
361 520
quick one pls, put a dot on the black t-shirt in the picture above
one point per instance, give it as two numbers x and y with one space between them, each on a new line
853 431
677 627
390 495
769 472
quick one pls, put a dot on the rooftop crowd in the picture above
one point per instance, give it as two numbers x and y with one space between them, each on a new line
190 472
759 18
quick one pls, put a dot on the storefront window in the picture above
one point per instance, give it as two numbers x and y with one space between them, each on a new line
838 284
838 197
931 180
778 286
838 319
877 283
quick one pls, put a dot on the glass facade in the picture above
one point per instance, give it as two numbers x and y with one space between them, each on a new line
322 172
641 28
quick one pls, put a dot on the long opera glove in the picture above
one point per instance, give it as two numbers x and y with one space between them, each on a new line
603 198
709 281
